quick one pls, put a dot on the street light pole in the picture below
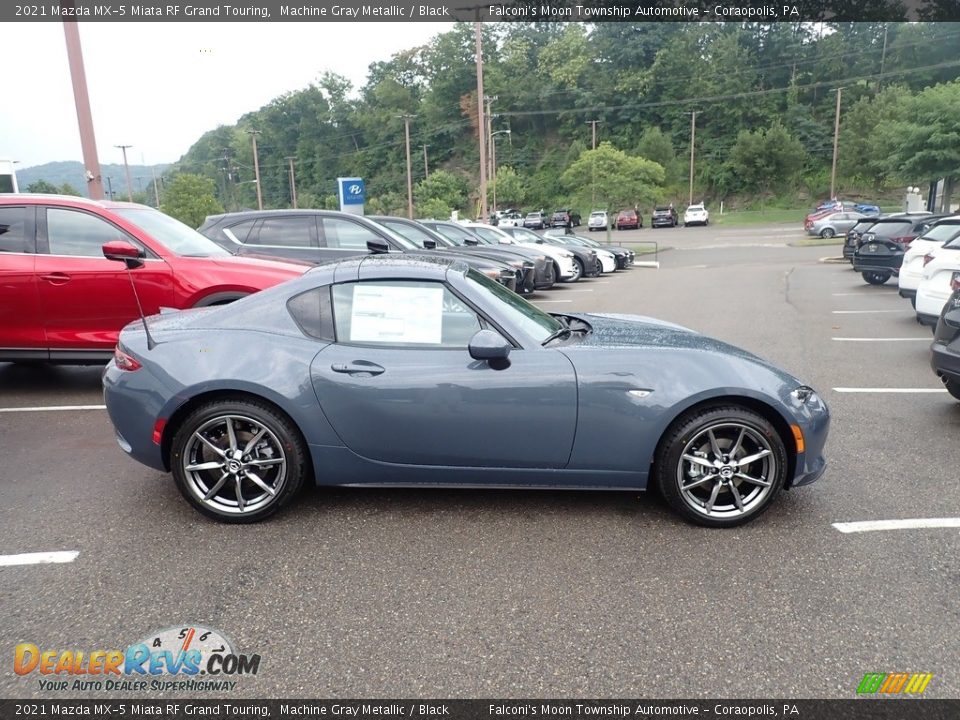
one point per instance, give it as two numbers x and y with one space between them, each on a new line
594 124
126 169
493 162
693 137
293 182
484 216
836 140
426 168
406 132
256 167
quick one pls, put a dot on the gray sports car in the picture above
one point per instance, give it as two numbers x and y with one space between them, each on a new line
418 371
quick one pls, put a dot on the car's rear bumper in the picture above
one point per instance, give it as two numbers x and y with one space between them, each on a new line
907 293
890 263
945 361
133 410
927 319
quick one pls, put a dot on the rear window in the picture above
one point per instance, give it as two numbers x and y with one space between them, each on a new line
942 233
661 208
13 237
891 229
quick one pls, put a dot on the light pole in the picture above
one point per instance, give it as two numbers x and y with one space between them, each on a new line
256 167
493 163
836 140
126 169
293 182
693 138
406 132
426 168
484 216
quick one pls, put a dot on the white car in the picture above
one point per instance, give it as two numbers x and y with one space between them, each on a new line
940 273
563 259
911 272
510 219
696 215
598 220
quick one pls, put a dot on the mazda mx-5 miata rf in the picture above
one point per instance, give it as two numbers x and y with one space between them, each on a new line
418 371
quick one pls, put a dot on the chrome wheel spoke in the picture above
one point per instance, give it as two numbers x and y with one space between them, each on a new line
212 465
254 440
743 462
267 462
752 480
241 503
698 483
737 444
255 479
713 498
713 444
231 434
219 484
737 500
209 444
700 461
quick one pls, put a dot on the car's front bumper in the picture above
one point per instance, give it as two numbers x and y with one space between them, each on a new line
945 359
814 423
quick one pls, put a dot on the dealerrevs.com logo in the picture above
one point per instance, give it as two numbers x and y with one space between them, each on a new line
191 658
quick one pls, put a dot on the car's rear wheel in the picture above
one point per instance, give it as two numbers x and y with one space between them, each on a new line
721 466
238 461
577 270
876 278
827 233
953 387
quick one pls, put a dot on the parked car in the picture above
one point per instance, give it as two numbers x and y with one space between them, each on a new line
664 216
882 247
536 220
945 351
911 271
624 256
852 238
566 267
834 224
604 260
62 301
941 273
544 272
598 220
510 218
696 215
422 372
565 217
629 220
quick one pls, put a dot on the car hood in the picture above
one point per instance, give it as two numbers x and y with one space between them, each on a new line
288 268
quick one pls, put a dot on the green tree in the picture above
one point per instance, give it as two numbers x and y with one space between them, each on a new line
619 180
448 187
766 159
433 208
190 198
42 186
510 189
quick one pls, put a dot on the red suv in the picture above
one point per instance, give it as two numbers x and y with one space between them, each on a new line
629 219
62 301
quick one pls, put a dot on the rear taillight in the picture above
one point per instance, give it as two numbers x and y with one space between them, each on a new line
903 240
124 361
955 282
926 259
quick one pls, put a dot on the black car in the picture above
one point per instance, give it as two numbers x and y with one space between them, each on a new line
882 247
585 259
319 236
664 216
624 256
545 275
945 351
852 239
565 217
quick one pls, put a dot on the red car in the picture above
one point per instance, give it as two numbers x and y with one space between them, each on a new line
62 301
627 219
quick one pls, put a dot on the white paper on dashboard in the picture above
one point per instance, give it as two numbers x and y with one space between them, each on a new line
397 314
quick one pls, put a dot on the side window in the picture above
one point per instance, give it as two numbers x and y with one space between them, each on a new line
298 232
13 236
402 313
312 313
240 231
72 232
340 233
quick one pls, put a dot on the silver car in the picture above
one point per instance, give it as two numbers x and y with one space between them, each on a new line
598 220
835 224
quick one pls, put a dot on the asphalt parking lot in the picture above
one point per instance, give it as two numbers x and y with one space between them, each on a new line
385 593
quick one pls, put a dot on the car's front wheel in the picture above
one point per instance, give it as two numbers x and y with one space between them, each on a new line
238 461
577 270
953 387
721 466
827 233
876 278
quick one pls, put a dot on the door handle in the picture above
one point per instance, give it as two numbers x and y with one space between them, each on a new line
57 278
358 367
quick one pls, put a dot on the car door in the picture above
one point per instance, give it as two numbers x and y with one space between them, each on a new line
399 385
286 236
85 299
21 329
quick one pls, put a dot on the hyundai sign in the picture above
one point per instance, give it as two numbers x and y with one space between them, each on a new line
352 194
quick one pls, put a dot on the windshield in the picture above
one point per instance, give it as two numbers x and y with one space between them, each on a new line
415 235
942 233
532 320
891 229
172 234
491 236
456 235
524 235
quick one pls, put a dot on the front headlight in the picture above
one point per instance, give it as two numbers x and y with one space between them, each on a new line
806 395
492 273
565 254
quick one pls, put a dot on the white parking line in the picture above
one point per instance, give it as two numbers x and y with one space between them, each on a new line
863 312
889 390
39 558
551 301
899 339
866 293
48 408
575 291
914 524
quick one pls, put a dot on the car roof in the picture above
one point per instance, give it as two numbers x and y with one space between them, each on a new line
43 198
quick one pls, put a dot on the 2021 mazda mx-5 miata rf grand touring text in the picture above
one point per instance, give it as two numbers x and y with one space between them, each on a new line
396 371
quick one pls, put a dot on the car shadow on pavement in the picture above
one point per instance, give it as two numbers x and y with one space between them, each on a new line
42 379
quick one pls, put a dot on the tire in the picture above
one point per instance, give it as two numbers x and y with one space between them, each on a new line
599 268
827 233
578 268
913 302
876 278
953 387
714 499
278 460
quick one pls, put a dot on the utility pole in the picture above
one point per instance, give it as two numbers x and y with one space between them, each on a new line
156 190
493 162
594 124
883 54
126 169
426 168
293 182
406 133
693 137
484 215
256 167
110 186
490 172
836 140
88 142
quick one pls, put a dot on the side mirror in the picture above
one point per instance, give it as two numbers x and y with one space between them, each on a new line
378 246
430 244
122 251
490 346
952 318
471 242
